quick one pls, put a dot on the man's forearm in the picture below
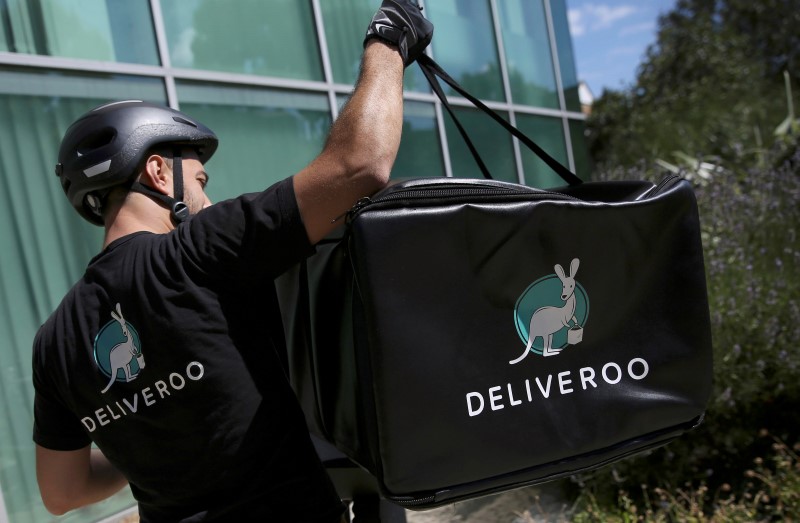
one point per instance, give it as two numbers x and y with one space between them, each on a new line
367 132
73 479
362 145
105 480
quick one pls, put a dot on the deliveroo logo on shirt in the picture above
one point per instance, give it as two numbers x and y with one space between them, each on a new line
551 313
118 351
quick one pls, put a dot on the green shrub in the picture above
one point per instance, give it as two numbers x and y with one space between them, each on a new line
751 239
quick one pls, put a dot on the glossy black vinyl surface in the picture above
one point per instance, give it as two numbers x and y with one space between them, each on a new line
402 332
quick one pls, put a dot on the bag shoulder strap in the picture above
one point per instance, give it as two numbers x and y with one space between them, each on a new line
432 70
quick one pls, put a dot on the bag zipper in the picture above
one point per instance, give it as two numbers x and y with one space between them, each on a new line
412 502
416 195
667 182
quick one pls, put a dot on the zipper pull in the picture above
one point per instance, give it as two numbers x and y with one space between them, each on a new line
360 204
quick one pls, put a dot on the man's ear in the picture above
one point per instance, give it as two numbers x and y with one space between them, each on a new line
157 174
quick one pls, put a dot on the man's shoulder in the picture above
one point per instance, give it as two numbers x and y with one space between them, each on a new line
51 327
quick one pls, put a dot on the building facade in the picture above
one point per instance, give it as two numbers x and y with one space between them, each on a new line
269 76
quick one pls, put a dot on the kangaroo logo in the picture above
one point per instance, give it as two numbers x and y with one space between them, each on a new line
553 308
118 351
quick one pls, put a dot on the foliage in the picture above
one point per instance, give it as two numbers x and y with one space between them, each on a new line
714 101
750 238
712 85
750 226
770 492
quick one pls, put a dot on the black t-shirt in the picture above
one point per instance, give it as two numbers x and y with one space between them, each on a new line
166 355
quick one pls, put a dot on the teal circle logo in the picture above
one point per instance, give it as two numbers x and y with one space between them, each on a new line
109 338
546 309
118 350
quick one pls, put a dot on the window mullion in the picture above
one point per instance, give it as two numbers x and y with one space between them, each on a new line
163 53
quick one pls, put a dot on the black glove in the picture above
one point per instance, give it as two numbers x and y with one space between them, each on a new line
400 23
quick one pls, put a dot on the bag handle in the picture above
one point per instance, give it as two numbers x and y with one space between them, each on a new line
431 70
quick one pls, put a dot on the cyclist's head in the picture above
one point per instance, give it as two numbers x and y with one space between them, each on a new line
104 149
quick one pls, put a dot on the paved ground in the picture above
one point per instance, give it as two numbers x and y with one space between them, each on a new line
527 505
540 504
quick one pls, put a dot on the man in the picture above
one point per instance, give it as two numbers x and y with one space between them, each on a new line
165 354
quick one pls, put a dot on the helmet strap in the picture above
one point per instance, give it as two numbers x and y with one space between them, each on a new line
178 210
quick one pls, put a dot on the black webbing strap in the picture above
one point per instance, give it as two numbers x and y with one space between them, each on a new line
178 210
432 70
177 174
438 90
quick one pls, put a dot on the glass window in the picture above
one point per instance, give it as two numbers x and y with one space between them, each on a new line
265 135
275 38
548 133
492 141
108 30
345 24
580 151
420 153
464 45
46 247
566 58
528 58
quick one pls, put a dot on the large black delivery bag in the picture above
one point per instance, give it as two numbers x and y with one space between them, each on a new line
461 337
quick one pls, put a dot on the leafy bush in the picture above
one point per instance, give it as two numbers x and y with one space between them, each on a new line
712 84
711 94
750 226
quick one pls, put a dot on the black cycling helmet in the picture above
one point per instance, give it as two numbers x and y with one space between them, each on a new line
104 147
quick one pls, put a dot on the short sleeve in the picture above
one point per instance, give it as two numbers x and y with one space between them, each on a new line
55 427
254 235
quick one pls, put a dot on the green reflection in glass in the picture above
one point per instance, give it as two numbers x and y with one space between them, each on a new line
265 135
420 153
527 48
548 133
580 151
38 225
566 58
465 46
492 141
275 38
345 24
107 30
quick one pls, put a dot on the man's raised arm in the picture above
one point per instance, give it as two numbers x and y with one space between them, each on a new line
361 148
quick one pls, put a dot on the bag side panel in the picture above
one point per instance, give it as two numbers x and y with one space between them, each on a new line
293 297
445 290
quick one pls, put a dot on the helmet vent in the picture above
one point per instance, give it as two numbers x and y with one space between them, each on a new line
95 141
184 121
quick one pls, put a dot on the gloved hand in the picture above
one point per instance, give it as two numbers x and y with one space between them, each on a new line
400 23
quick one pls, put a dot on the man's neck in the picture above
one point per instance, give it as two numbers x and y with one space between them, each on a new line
136 216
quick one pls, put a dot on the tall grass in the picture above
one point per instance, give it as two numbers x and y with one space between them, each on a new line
770 492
